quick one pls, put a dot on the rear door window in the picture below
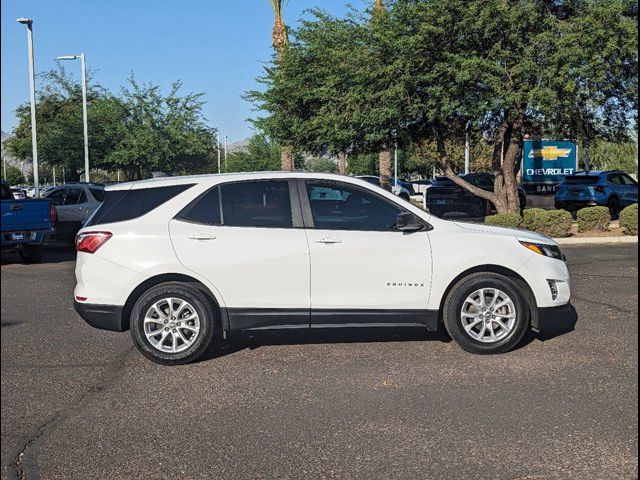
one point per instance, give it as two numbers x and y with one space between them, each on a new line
57 196
73 196
256 204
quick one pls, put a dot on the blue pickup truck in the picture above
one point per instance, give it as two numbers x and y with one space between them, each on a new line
26 225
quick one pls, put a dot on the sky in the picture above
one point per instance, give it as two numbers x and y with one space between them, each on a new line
217 47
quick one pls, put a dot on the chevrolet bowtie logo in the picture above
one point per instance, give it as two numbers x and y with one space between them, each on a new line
550 153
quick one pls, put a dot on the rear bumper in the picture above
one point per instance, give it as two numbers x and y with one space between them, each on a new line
576 204
29 238
104 317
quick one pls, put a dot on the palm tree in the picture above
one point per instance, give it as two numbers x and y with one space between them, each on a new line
384 157
280 40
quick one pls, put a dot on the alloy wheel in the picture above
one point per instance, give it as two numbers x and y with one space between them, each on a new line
488 315
171 325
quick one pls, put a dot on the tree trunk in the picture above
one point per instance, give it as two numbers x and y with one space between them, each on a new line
342 163
384 160
451 175
287 158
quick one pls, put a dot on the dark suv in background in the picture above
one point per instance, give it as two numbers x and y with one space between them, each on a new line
444 196
614 189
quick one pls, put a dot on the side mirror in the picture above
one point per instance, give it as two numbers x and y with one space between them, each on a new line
408 222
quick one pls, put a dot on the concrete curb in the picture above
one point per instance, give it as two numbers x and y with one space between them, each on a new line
596 240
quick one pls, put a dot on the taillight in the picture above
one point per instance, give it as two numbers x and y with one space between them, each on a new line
53 217
89 242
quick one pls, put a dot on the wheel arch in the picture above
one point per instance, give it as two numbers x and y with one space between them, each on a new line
172 277
489 268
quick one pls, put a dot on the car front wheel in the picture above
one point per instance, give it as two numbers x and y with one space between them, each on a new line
172 323
486 313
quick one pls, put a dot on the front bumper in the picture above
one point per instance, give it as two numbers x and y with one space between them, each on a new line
545 316
104 317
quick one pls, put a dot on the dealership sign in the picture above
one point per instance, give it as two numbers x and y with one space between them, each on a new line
545 163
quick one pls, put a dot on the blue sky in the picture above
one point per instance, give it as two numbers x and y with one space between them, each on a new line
214 46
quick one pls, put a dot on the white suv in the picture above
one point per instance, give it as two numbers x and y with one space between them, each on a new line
180 260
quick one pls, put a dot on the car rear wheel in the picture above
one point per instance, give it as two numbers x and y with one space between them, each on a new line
614 208
172 323
478 207
486 313
31 253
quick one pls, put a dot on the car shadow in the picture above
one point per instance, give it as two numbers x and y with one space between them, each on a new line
549 329
242 341
54 252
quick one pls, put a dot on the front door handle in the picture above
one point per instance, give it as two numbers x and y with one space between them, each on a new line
201 236
328 240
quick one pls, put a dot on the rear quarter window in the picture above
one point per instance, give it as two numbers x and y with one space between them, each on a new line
121 205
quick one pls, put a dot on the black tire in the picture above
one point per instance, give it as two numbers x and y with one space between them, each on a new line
455 301
614 208
478 208
182 291
404 196
435 212
31 253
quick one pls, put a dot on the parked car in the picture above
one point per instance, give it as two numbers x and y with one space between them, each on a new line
75 203
180 260
444 196
398 188
27 225
18 193
614 189
421 186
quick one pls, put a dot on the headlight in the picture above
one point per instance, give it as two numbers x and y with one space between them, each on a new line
552 251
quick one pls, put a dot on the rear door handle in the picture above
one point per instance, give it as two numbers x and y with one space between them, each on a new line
201 236
328 240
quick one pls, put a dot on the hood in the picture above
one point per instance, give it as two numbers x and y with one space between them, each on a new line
518 233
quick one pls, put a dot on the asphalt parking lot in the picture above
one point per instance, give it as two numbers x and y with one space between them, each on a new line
78 403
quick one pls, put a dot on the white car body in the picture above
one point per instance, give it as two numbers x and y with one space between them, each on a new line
255 274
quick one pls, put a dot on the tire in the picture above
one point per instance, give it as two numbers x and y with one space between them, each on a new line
478 208
507 332
162 348
405 197
614 208
31 253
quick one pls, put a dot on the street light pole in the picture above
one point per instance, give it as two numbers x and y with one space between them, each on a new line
85 122
32 97
225 152
218 142
467 148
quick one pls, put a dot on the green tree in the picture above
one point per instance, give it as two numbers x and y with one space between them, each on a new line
14 175
260 154
615 156
59 121
138 131
160 132
419 71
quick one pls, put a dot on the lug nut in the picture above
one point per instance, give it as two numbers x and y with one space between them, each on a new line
166 329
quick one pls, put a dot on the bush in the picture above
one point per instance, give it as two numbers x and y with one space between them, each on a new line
511 220
594 218
629 219
533 219
557 223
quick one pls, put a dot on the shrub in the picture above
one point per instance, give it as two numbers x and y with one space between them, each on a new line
557 223
629 219
511 220
594 218
533 219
